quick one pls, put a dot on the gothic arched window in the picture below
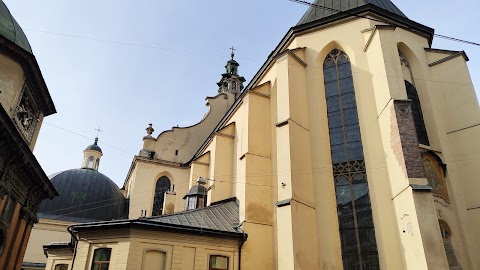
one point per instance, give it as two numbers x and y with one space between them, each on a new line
357 232
417 114
163 185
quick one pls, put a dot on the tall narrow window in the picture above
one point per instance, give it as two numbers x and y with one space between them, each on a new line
357 233
101 259
162 186
417 114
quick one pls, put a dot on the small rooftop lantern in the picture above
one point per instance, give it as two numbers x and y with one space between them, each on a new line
197 195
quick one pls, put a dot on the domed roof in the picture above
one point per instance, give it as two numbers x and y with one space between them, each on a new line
85 195
94 146
10 29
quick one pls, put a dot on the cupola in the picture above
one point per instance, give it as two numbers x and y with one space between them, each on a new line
231 82
91 156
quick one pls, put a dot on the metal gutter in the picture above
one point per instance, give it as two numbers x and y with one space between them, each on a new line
160 226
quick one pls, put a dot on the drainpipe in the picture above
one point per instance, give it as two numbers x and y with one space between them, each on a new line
75 246
244 238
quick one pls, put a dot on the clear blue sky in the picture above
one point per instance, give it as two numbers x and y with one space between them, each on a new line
176 53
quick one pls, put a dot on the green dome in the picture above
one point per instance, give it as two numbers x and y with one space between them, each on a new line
10 29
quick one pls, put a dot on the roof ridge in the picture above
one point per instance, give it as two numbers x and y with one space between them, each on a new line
211 206
320 9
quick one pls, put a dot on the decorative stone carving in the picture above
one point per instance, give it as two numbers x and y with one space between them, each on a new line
26 114
149 130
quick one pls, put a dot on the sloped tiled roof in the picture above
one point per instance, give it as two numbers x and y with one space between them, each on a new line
219 217
325 8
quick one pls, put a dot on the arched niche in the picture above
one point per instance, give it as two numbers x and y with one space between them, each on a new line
446 232
412 65
154 259
435 172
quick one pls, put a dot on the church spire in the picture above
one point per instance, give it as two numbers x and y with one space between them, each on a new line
91 156
231 82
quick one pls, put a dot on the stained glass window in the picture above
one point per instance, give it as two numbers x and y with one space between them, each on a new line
162 186
357 232
417 114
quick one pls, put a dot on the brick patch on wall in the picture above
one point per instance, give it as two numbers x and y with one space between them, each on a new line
403 139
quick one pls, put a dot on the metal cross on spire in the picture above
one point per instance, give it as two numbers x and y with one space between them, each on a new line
98 130
233 51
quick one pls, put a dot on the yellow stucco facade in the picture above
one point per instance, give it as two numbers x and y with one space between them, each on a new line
271 150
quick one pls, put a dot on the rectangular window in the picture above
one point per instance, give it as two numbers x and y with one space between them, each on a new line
192 203
101 259
218 262
61 267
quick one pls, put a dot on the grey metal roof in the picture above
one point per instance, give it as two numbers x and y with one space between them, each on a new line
220 217
94 146
85 195
10 29
316 11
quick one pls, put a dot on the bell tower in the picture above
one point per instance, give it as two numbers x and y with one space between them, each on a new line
231 82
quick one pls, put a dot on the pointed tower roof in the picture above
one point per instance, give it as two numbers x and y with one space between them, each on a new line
325 8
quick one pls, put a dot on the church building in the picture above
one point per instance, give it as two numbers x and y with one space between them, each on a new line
349 149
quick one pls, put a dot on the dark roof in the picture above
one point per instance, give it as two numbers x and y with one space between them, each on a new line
10 29
196 190
316 11
85 195
94 146
221 219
